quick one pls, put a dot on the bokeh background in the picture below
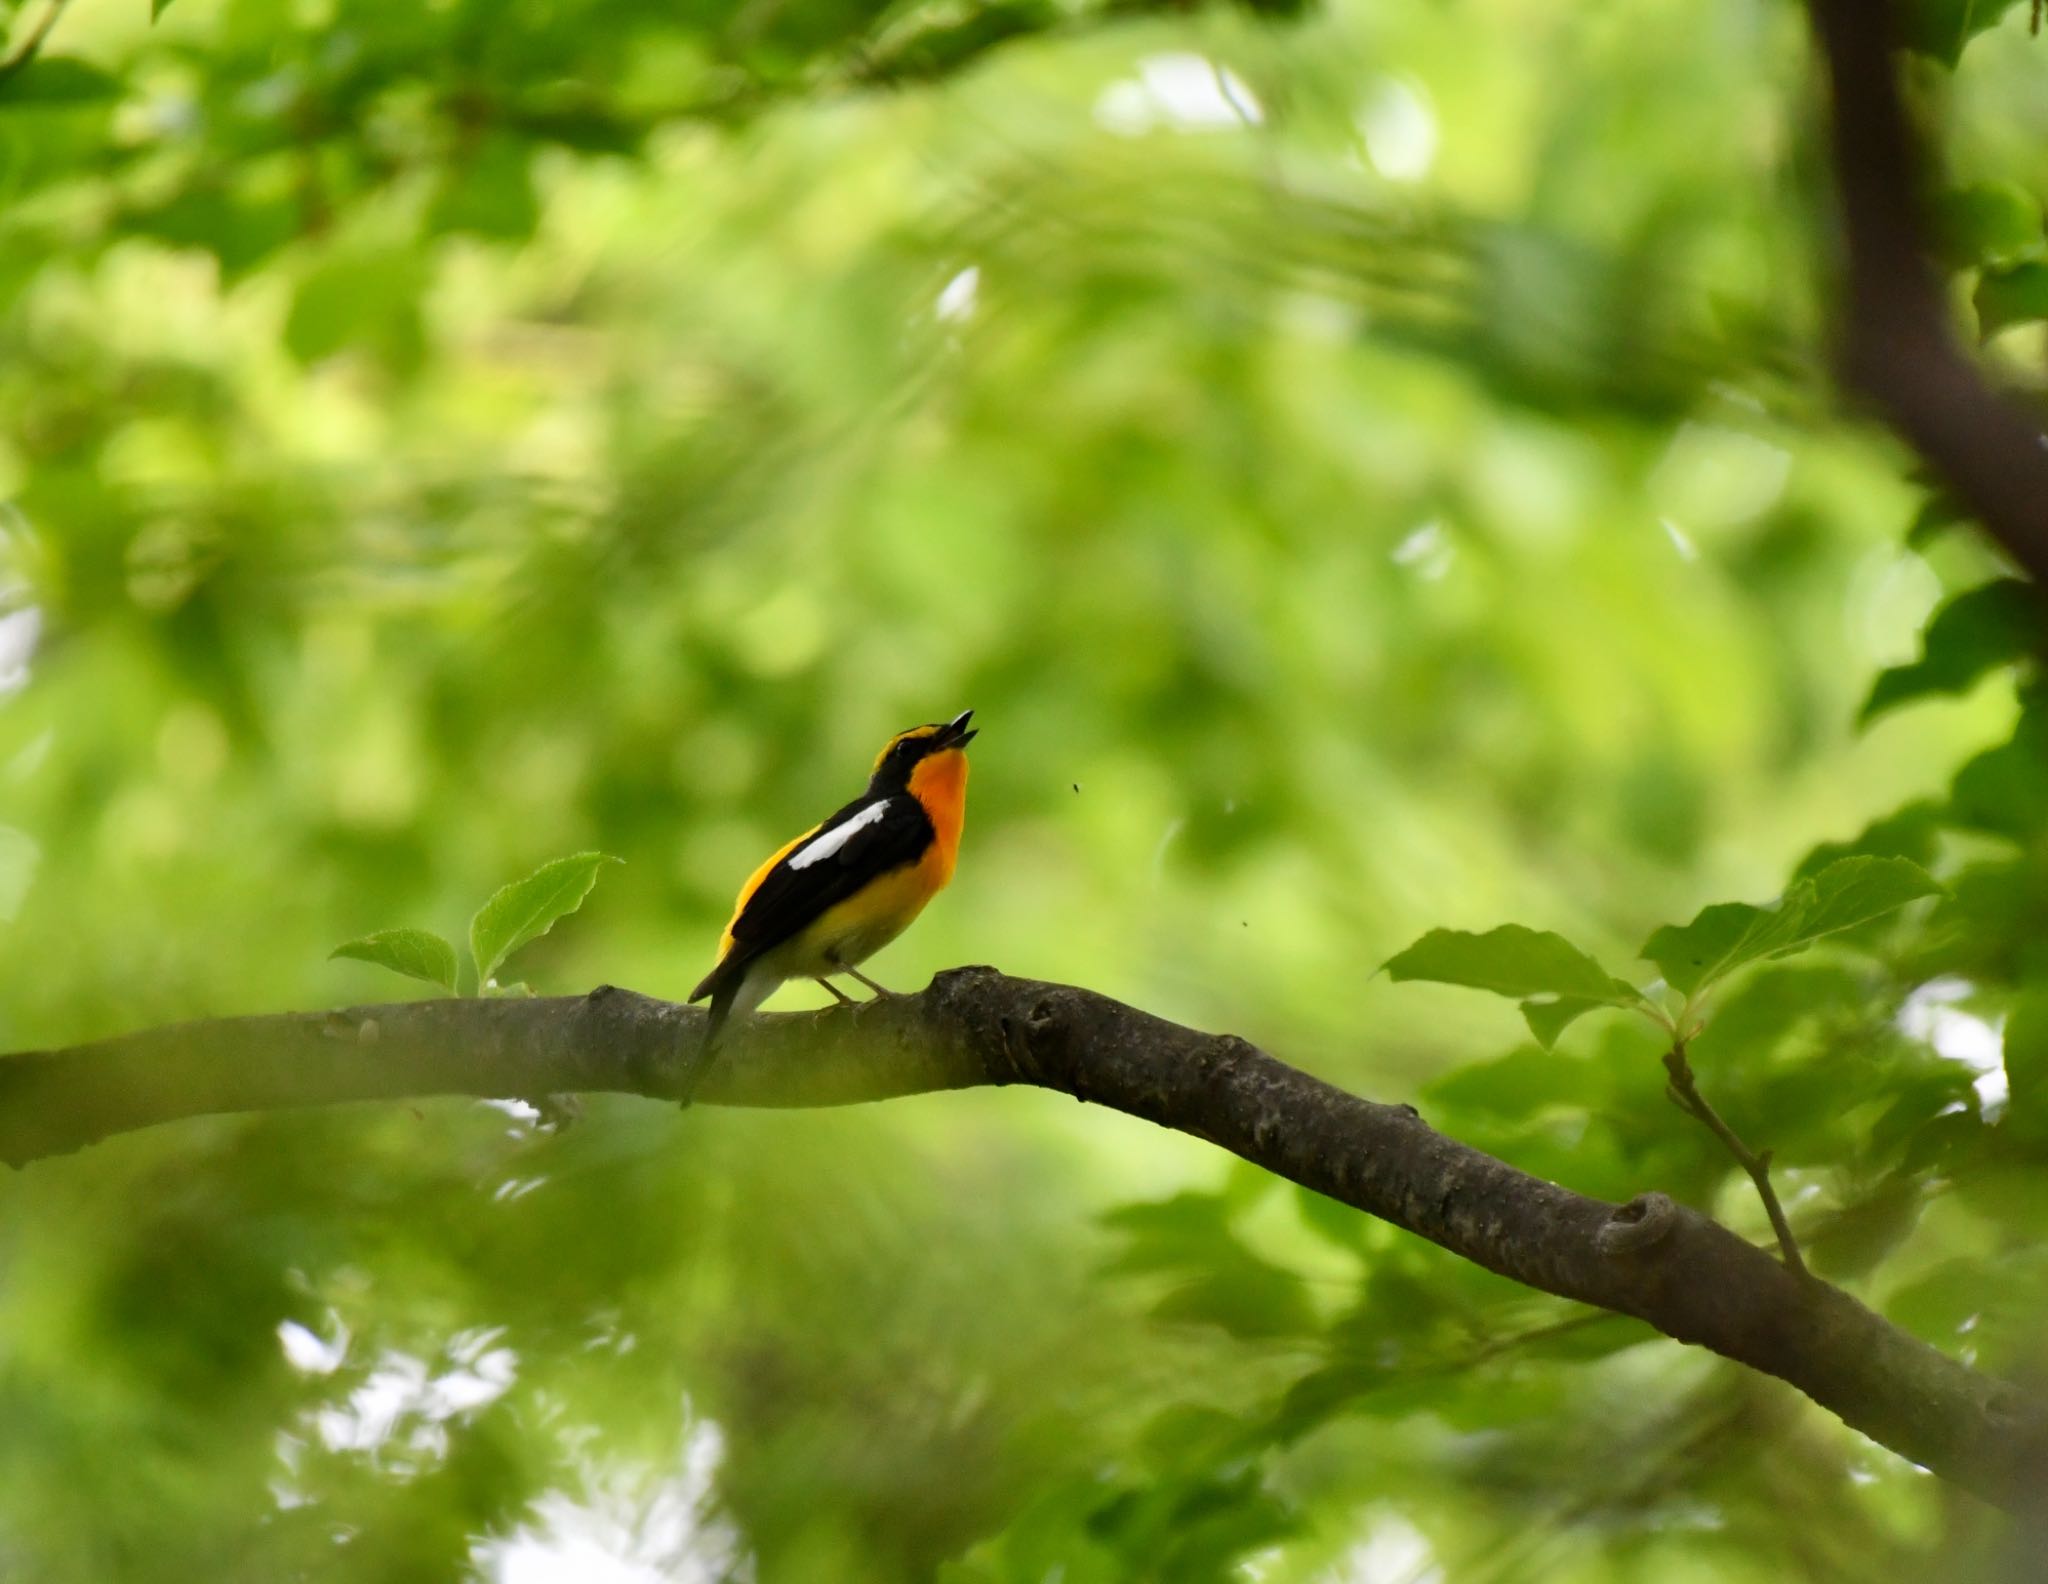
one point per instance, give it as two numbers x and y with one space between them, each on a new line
1370 465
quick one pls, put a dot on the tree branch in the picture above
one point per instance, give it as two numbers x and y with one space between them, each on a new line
1660 1262
1897 344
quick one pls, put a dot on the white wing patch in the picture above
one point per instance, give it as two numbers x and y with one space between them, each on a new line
837 837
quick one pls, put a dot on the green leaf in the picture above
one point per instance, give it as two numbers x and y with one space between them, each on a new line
2011 296
490 193
1513 1087
1555 981
2026 1065
1987 222
1706 948
360 299
1911 832
1250 1299
416 953
1548 1019
1936 516
1512 960
1335 1221
238 228
528 908
2005 789
157 8
1941 28
1729 935
1856 890
1973 633
60 80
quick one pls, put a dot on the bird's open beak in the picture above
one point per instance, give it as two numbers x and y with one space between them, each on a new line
956 733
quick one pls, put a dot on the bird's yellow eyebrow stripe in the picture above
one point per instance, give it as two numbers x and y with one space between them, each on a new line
912 735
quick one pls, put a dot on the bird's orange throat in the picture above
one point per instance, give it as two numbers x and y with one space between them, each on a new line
939 782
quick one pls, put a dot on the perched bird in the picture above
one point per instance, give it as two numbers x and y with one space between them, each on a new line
827 901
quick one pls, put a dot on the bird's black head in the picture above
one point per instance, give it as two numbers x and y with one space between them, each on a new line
904 752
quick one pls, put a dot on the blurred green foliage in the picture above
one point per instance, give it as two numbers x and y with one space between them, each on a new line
1371 469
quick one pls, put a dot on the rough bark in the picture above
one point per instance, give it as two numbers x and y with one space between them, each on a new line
1898 345
1670 1266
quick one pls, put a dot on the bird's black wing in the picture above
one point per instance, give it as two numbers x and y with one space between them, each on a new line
865 839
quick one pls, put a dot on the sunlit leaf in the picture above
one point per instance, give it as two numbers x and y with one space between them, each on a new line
1729 935
416 953
527 908
1555 981
1510 960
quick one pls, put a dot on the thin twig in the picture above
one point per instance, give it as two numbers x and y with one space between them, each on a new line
34 42
1686 1096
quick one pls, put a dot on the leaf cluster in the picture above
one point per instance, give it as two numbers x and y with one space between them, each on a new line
1557 982
516 913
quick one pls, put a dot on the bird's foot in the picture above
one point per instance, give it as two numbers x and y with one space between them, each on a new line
879 990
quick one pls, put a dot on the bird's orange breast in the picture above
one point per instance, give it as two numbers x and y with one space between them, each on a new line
939 782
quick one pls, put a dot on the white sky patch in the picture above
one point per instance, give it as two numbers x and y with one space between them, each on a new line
19 631
627 1527
1426 551
1930 1015
960 296
1181 91
838 836
1399 129
309 1353
399 1415
1393 1552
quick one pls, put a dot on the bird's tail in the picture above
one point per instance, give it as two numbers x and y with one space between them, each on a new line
722 999
723 984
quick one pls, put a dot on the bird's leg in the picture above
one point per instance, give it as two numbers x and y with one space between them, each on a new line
853 972
838 994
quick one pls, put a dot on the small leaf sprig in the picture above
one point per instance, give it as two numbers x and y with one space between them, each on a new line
1557 983
515 915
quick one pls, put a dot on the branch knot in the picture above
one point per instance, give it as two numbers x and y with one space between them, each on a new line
1638 1226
